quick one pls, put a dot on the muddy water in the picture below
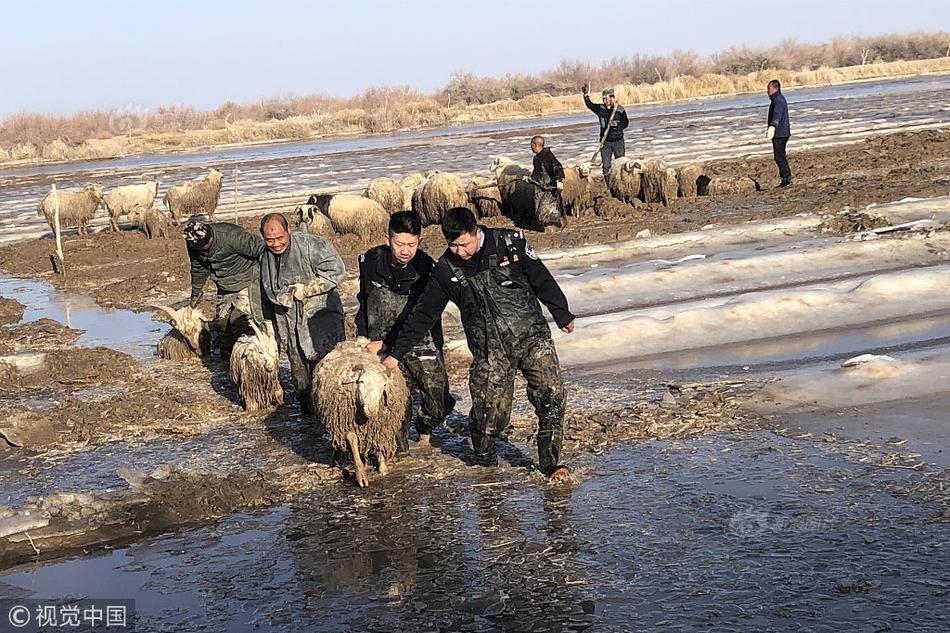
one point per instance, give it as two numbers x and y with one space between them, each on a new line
698 130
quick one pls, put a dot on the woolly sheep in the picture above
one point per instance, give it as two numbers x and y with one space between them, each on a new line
387 193
576 193
76 207
153 222
517 196
195 198
625 179
190 337
352 214
361 405
254 365
439 193
484 195
687 178
129 200
725 185
658 182
409 183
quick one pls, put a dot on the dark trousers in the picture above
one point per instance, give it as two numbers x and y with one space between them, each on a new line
491 382
426 374
610 151
778 152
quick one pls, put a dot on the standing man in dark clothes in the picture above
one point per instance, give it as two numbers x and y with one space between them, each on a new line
497 282
230 256
548 180
392 278
779 130
613 146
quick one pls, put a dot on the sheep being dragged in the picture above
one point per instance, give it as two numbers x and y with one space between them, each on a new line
76 207
517 196
725 185
195 198
439 193
658 182
350 214
190 336
387 193
129 200
361 405
485 196
254 365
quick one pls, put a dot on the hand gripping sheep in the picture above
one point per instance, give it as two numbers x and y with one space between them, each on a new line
190 337
254 365
361 405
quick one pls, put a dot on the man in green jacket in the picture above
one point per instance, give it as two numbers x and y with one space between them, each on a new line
230 256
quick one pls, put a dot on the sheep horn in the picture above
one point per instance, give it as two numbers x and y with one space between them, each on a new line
257 330
172 314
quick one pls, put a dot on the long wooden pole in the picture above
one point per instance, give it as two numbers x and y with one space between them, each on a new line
603 139
58 233
236 172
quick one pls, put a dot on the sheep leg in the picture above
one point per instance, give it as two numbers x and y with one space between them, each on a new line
354 443
383 468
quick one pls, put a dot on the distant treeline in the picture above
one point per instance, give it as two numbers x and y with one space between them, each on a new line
108 133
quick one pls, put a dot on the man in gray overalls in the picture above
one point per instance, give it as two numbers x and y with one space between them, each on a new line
299 276
392 277
497 282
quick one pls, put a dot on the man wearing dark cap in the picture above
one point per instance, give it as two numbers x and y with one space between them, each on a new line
611 123
230 256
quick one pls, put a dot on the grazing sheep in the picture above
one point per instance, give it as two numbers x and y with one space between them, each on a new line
624 179
154 222
195 198
76 207
687 177
129 200
439 193
387 193
409 183
190 337
658 182
362 406
352 214
576 194
725 185
317 223
483 193
254 364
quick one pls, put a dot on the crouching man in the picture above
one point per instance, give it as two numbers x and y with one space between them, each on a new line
230 256
299 276
392 278
497 281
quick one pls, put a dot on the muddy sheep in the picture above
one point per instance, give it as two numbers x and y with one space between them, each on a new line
658 182
190 337
517 196
726 185
387 193
687 178
77 207
624 179
362 406
484 195
317 223
129 200
576 194
194 198
409 183
351 214
254 370
439 193
153 222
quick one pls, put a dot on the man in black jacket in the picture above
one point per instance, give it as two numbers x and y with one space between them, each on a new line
613 146
497 281
548 180
779 130
230 256
392 278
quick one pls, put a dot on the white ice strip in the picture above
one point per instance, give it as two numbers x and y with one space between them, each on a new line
754 316
912 209
656 282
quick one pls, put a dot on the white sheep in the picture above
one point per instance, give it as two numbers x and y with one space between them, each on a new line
624 179
129 200
76 207
726 185
362 406
351 214
190 338
387 193
254 370
439 193
484 194
195 198
409 183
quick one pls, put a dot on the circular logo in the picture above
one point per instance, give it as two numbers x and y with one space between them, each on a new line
19 616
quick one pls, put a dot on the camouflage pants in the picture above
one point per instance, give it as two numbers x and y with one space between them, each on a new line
426 374
491 382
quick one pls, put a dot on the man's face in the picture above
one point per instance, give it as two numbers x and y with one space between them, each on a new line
536 147
771 90
403 246
466 245
276 237
609 101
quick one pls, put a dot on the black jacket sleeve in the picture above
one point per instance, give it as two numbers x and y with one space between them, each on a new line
199 274
593 107
554 168
543 284
424 316
362 320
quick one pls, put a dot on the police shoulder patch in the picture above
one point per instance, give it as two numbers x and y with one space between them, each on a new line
362 258
530 251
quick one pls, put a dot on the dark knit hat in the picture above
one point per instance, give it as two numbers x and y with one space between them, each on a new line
608 92
198 235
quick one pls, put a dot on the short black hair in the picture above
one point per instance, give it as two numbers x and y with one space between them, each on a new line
405 222
270 217
775 83
457 221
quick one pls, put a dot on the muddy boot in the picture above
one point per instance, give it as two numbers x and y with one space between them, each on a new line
559 473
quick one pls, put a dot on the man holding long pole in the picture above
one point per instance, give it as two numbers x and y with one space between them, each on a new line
613 121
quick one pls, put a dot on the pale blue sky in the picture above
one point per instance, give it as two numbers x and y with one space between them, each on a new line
66 56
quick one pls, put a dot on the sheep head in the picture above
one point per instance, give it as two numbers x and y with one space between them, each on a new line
498 163
190 322
268 344
95 189
371 382
583 170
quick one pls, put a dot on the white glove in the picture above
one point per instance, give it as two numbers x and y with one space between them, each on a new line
526 179
560 185
771 132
